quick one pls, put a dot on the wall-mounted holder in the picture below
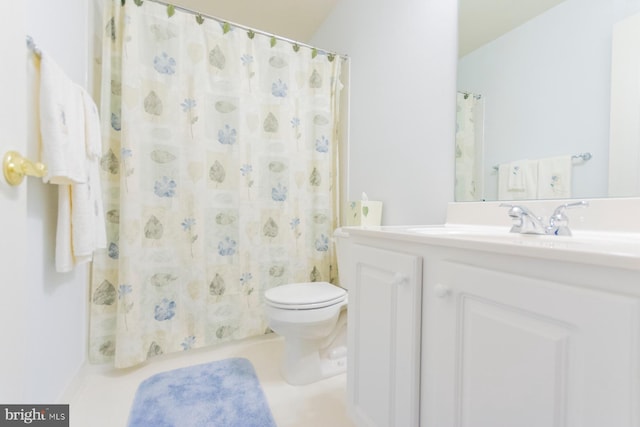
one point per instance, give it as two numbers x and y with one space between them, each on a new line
15 167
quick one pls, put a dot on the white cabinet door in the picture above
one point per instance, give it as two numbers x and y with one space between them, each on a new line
510 351
383 378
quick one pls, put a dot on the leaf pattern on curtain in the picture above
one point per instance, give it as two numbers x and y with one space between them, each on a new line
218 162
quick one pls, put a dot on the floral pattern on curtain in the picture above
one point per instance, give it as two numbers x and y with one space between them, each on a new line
218 165
469 136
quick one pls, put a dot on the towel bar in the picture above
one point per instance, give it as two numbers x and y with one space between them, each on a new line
581 156
15 167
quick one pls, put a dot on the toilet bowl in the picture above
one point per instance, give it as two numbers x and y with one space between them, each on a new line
312 319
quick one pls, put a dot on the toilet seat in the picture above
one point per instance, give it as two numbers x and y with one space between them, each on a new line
305 296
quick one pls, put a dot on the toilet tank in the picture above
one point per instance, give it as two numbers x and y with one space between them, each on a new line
343 244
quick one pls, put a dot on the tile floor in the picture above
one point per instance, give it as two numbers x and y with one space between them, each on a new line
102 396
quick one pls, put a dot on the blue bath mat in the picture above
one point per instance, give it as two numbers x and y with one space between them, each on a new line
226 393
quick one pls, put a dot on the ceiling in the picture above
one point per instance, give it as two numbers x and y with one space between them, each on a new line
480 20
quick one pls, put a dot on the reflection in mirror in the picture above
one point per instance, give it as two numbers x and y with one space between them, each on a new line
469 146
549 103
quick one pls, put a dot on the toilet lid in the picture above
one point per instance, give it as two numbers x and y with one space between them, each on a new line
299 296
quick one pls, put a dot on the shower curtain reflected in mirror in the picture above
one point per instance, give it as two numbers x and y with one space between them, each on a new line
469 181
219 161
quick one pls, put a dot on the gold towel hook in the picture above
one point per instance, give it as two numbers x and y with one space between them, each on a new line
15 167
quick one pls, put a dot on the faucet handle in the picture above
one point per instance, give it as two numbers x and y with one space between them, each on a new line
560 209
515 213
559 222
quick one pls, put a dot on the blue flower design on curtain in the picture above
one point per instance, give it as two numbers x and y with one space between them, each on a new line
279 193
279 89
115 121
164 64
165 187
322 243
165 310
227 247
227 136
188 342
322 144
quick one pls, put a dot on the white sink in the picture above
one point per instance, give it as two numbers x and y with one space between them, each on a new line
455 230
612 243
619 249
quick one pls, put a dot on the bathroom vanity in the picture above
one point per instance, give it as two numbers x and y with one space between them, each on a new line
470 325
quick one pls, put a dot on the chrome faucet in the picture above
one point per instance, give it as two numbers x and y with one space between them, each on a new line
559 222
526 222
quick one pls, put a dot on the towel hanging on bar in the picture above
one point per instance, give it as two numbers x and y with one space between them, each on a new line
32 46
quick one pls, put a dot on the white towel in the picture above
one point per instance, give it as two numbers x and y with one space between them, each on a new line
517 171
71 145
554 178
61 125
64 251
87 215
528 172
81 224
93 137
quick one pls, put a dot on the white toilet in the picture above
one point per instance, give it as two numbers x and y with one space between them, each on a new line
312 318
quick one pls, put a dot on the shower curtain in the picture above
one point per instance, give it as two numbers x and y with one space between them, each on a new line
219 170
469 147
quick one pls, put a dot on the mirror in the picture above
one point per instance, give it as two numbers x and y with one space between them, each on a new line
547 99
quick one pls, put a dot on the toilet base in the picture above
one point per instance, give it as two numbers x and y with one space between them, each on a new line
307 361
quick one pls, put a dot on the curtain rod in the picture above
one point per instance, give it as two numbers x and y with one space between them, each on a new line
244 27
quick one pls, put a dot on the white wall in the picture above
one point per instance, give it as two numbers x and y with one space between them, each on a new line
546 87
402 114
56 318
